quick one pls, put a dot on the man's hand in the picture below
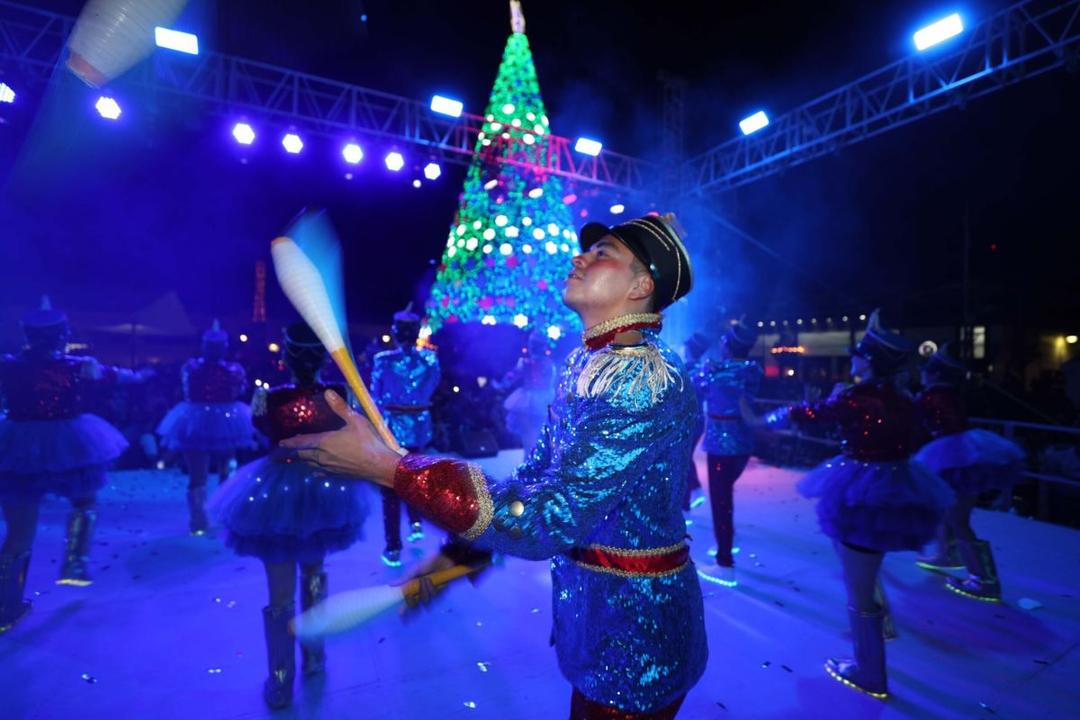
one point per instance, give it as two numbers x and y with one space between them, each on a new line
355 449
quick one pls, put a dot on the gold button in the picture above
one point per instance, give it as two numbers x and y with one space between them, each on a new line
517 508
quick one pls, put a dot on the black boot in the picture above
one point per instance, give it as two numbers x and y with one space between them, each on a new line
80 530
13 608
313 591
280 655
866 672
982 582
888 627
196 500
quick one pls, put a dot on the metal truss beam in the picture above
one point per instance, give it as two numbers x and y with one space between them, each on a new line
1020 42
32 43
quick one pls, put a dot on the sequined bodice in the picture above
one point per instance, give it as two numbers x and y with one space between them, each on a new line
877 421
404 378
43 388
941 410
720 383
297 409
212 381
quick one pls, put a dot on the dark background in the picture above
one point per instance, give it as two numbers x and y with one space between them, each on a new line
109 216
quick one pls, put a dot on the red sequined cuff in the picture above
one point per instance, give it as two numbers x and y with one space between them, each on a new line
450 493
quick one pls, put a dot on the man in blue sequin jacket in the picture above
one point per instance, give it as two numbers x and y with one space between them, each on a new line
600 494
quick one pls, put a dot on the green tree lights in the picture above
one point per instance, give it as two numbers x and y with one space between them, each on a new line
510 246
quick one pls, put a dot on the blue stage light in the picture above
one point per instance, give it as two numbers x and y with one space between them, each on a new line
243 133
446 106
107 107
754 123
939 32
432 171
352 153
394 161
292 143
588 146
176 40
7 95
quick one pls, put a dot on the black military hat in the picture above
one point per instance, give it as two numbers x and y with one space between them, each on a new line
887 351
656 241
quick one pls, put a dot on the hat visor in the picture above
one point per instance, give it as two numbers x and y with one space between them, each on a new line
592 233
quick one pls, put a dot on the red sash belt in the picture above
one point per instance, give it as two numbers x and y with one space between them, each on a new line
633 562
724 417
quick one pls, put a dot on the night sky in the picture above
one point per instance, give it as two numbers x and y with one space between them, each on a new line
110 217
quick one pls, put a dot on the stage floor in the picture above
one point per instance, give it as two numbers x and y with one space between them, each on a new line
172 628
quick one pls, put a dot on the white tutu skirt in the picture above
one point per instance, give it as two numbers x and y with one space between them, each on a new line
282 510
66 457
974 461
210 427
883 506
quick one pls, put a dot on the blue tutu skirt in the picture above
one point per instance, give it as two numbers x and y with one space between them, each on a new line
282 510
883 506
210 427
65 457
974 461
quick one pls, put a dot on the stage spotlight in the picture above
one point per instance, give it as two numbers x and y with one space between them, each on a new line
617 209
243 337
273 347
243 133
7 95
352 153
176 40
292 143
754 123
588 146
416 183
107 107
394 161
1071 339
938 32
446 106
432 171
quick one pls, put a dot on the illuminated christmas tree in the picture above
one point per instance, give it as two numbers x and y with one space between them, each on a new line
510 246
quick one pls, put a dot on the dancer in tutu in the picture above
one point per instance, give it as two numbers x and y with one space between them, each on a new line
600 494
402 383
210 423
872 499
727 384
532 388
287 513
972 461
49 445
